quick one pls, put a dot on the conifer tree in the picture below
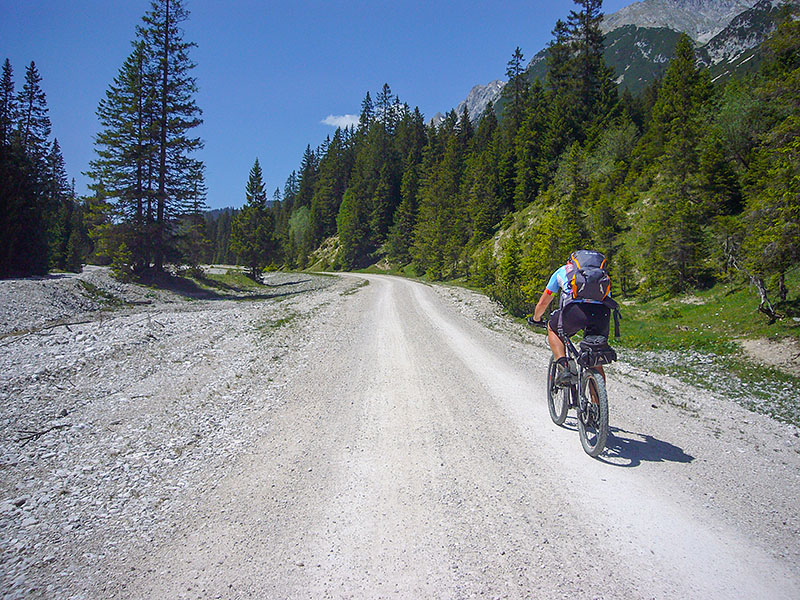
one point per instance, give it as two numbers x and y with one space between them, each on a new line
33 117
772 216
8 105
176 114
671 232
517 87
334 175
127 161
592 75
23 175
528 144
59 206
307 178
252 229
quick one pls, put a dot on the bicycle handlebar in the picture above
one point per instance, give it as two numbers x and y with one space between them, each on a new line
533 323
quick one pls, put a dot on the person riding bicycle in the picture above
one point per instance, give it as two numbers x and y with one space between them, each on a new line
574 314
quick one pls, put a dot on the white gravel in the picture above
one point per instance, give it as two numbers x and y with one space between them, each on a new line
345 440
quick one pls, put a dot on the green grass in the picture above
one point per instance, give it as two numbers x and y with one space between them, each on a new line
270 325
707 321
100 295
232 279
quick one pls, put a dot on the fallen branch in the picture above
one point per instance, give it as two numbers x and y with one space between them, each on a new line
41 330
28 435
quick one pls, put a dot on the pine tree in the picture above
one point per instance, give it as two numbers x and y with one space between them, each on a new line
517 87
8 106
33 117
252 229
772 215
176 114
127 160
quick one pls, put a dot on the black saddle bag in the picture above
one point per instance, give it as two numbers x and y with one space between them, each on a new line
594 350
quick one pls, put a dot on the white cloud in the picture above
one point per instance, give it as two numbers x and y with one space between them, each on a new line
341 120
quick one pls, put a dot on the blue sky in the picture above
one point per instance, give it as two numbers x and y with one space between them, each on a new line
271 73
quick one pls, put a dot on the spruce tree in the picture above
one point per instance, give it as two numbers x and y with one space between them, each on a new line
592 76
8 106
671 232
33 125
176 114
252 229
127 159
24 147
517 87
772 215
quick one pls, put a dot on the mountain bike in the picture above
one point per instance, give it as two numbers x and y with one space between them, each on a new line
584 390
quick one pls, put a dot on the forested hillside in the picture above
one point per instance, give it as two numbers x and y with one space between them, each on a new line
682 186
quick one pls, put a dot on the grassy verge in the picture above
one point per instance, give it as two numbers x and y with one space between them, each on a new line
694 338
707 321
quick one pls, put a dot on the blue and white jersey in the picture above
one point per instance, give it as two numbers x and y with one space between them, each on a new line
561 282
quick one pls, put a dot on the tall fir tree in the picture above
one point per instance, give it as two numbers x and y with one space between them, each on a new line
33 125
8 105
176 114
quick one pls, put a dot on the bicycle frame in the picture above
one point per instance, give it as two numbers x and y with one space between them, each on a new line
572 356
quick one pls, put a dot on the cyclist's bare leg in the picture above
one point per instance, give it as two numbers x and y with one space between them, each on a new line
556 345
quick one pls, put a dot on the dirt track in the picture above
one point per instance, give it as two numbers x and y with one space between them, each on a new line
381 440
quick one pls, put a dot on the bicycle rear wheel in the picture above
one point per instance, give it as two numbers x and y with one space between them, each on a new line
593 422
557 397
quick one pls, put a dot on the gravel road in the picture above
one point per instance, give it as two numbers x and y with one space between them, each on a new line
364 436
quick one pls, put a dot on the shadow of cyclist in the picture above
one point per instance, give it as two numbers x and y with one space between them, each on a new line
629 449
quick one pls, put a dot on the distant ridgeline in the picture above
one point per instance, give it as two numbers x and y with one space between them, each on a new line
640 41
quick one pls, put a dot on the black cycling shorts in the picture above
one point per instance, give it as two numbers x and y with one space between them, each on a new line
593 318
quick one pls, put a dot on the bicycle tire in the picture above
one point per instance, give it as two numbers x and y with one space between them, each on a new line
593 423
557 398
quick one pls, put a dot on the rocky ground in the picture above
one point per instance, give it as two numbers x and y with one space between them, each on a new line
96 435
342 437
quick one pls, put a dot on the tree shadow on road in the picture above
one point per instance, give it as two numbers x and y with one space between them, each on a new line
629 449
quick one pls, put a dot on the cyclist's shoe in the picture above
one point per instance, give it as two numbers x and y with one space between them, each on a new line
563 375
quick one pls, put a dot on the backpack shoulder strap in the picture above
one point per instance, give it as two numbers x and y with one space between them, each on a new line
614 306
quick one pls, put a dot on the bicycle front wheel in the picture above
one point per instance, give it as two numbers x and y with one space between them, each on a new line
593 420
557 397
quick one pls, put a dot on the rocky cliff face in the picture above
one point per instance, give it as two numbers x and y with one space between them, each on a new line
700 19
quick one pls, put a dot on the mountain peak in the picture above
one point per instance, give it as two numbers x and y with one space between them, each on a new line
699 19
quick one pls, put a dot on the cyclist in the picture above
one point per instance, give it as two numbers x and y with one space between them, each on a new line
591 316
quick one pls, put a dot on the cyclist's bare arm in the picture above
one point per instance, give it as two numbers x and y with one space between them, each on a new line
541 306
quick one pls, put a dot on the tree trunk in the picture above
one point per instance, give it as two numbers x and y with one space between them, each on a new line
782 291
765 306
162 158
